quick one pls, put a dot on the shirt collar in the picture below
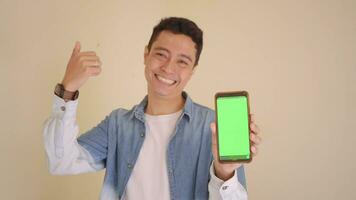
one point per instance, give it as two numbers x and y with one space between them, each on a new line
139 110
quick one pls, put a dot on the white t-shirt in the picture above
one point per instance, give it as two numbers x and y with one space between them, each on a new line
149 178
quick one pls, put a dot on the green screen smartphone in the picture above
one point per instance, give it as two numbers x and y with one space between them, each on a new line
232 126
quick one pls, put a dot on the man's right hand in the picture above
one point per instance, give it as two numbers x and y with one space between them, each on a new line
81 66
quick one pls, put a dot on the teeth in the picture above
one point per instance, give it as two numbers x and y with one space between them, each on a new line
170 82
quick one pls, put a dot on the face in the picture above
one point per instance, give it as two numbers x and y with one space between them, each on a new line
169 64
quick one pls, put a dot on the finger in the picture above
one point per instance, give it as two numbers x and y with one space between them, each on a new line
91 63
252 117
76 48
88 53
254 150
254 128
255 139
83 58
93 71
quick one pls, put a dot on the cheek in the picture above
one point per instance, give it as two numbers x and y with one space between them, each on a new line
185 77
149 68
153 63
148 72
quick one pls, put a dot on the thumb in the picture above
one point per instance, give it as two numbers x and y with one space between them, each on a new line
213 127
214 146
213 133
77 47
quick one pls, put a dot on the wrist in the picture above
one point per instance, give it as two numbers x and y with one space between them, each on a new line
222 173
68 87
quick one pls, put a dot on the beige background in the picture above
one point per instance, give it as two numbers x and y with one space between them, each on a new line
296 58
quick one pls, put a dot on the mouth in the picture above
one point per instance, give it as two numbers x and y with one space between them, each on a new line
165 80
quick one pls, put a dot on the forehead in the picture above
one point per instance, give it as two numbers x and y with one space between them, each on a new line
176 43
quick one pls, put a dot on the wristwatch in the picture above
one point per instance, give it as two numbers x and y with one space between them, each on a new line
65 94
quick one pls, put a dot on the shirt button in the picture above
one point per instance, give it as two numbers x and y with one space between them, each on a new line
129 166
225 187
142 135
63 108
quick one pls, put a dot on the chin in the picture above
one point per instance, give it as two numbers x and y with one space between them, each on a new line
164 93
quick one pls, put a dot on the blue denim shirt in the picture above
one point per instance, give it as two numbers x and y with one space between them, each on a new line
117 140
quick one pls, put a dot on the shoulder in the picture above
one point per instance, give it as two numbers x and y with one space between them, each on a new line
203 111
201 118
119 114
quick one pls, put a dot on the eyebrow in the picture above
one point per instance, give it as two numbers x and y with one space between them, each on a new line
181 55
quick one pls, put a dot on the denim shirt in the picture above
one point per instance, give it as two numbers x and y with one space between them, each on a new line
116 142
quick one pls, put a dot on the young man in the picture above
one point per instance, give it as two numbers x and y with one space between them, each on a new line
164 147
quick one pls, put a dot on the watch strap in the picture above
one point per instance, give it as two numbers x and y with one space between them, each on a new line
65 94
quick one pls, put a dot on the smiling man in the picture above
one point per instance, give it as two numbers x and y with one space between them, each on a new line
164 147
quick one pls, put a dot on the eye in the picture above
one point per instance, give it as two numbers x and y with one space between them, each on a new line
161 55
182 63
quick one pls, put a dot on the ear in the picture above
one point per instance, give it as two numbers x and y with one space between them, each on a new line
145 54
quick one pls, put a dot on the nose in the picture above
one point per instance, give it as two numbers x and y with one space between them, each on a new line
168 66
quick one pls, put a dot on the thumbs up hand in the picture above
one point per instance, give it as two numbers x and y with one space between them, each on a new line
81 66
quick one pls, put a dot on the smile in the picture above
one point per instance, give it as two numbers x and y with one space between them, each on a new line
165 80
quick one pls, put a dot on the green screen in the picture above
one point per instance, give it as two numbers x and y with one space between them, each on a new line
233 131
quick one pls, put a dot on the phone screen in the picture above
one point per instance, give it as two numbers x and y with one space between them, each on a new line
233 128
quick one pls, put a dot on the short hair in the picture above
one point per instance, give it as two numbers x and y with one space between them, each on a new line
179 25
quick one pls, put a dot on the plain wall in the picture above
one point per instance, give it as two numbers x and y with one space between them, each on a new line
296 58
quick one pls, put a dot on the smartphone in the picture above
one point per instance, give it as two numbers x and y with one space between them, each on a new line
233 126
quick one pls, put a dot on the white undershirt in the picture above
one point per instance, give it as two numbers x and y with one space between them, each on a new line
149 178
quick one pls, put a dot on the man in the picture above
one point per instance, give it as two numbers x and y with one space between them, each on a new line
164 147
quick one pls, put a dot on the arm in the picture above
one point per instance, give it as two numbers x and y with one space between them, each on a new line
64 154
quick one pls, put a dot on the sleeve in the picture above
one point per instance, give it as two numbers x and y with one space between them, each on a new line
64 154
95 141
231 189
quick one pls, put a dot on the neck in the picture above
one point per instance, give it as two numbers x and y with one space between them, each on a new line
164 105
